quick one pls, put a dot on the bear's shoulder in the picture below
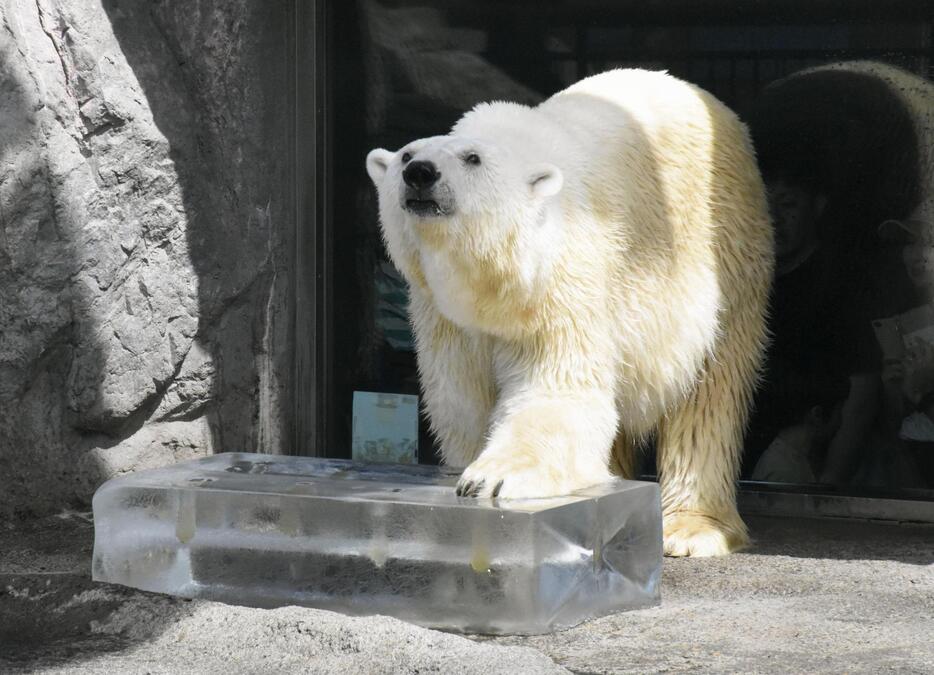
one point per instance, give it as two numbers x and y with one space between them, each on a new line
650 97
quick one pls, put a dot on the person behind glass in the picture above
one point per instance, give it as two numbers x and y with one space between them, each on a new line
797 453
908 349
823 351
839 148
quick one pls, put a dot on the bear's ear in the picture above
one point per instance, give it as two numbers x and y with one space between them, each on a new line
546 181
377 162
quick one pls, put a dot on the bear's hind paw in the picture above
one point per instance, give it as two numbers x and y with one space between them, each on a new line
701 536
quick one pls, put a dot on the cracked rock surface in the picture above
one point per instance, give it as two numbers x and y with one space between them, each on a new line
143 254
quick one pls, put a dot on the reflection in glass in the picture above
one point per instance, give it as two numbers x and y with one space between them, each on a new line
839 148
842 116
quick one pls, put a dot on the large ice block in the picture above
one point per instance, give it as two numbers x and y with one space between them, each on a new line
267 531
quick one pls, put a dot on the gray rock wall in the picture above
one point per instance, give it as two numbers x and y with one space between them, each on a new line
145 238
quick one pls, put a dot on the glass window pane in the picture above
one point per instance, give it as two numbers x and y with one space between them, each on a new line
841 109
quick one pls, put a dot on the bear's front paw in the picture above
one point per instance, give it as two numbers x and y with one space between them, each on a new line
515 476
700 536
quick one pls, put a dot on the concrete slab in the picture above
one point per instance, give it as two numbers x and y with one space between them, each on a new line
810 596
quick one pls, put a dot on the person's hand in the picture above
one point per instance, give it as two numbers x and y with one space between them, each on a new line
919 352
893 371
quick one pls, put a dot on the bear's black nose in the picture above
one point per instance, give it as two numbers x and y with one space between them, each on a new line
420 175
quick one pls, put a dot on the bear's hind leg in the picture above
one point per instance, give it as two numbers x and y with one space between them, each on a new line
699 447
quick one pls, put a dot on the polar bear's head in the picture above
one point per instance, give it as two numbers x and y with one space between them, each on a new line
457 177
477 198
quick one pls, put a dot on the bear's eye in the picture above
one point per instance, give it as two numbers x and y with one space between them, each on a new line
472 158
406 157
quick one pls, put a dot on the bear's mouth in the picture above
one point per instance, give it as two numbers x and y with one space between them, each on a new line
423 207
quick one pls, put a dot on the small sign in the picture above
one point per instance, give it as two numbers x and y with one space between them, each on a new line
385 427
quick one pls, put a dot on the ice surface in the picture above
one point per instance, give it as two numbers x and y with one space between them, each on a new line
267 530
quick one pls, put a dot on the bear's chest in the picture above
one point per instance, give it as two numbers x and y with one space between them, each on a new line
451 287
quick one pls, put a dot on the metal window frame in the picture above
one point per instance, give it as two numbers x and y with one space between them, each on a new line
774 499
311 272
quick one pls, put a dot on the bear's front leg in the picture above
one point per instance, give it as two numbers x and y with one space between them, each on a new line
456 375
545 443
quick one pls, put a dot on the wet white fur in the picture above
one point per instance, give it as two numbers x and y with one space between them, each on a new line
603 276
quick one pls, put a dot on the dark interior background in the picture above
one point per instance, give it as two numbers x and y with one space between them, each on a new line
395 71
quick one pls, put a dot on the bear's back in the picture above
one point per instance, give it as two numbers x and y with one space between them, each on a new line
661 158
651 98
670 176
680 127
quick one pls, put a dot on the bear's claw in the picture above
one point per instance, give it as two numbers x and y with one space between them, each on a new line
472 488
469 488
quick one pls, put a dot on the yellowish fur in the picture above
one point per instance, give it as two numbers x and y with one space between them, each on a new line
553 333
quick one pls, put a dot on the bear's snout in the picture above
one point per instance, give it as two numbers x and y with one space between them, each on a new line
420 175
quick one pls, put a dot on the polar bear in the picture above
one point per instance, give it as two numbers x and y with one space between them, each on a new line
584 274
